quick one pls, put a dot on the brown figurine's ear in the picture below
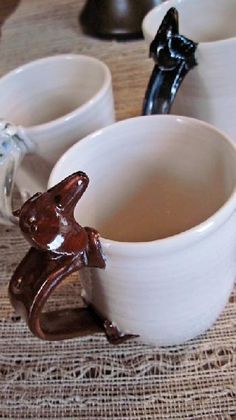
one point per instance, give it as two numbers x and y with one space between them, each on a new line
16 212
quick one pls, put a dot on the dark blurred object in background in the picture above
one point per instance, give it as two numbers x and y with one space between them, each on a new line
7 7
119 19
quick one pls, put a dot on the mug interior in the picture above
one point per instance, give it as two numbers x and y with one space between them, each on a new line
200 20
50 88
151 177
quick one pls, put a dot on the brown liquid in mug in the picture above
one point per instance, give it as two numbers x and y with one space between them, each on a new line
162 206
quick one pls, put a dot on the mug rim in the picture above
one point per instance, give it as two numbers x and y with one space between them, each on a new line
174 3
181 239
79 109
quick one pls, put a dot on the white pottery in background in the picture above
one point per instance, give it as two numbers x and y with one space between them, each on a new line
53 102
167 290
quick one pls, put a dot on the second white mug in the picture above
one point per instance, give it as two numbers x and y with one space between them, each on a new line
53 102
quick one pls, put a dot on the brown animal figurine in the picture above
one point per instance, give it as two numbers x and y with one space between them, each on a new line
59 247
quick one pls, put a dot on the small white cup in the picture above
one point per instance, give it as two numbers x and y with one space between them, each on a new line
209 90
53 102
162 195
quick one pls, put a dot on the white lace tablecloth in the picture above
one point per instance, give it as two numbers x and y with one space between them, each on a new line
90 379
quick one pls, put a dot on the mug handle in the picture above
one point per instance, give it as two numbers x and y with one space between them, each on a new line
174 56
34 280
13 147
60 246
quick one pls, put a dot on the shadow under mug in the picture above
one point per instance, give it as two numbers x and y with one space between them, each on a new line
162 195
52 102
208 91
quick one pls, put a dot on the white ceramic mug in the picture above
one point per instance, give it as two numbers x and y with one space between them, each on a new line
209 90
53 102
162 195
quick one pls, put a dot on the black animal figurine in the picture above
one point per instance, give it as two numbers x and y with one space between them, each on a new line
173 55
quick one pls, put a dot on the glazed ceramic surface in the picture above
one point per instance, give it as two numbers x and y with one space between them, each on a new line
53 102
209 90
119 19
162 195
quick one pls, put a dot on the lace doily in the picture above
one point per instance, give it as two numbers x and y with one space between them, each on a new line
90 379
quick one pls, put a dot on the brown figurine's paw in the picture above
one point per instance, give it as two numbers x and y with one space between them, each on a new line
114 335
